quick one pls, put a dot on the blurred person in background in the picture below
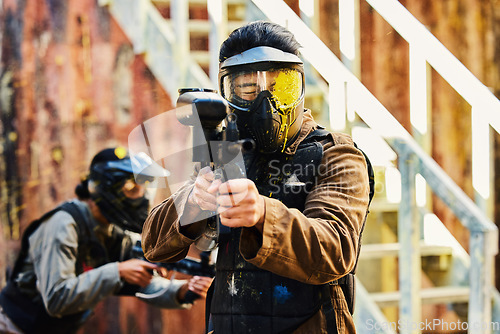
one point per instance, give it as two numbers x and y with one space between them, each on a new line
81 252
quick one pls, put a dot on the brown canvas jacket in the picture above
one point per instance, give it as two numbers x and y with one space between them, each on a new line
315 246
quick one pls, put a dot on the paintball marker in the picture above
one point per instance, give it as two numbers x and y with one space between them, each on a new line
220 132
211 110
189 266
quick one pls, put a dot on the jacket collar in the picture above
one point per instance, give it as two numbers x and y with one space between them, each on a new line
308 125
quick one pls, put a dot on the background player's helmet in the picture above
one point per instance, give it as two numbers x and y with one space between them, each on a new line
117 186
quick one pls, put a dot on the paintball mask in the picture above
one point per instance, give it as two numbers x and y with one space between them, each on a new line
264 87
117 184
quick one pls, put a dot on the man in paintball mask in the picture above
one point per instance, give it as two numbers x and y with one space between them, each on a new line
290 230
81 252
266 96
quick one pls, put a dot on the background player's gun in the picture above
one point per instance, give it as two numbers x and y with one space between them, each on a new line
219 131
189 266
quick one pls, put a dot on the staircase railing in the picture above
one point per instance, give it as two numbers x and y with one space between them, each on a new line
483 235
163 46
426 50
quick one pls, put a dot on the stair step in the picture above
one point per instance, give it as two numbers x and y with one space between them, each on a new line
376 251
382 205
437 295
201 57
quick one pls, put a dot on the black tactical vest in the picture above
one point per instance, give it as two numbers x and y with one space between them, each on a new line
247 299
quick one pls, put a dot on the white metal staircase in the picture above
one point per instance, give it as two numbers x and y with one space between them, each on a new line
419 237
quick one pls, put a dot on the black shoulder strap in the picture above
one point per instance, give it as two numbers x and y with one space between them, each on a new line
82 218
317 135
70 207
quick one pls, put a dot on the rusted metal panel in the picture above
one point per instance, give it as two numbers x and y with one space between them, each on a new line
70 85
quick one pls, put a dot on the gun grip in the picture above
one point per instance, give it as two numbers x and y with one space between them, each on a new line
191 296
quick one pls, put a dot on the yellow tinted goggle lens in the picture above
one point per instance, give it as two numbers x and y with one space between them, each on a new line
287 89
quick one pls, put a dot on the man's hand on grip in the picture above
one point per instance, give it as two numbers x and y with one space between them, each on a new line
240 204
135 271
205 190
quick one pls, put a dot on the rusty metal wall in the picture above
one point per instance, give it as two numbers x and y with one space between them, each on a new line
71 85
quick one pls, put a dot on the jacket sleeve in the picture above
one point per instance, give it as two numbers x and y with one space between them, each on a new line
320 244
162 240
53 250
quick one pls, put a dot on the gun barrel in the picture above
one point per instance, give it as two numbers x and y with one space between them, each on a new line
247 145
243 146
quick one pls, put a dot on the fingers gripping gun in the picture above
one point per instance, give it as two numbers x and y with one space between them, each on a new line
219 130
